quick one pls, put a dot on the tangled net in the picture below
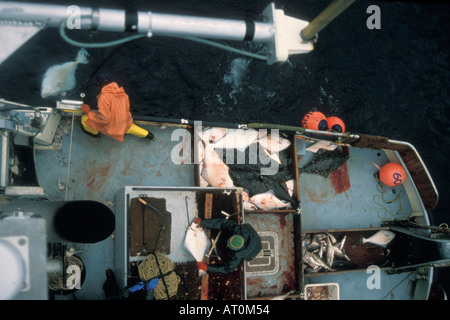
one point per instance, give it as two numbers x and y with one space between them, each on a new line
159 265
55 280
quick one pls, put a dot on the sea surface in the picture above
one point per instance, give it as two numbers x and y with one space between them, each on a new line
392 81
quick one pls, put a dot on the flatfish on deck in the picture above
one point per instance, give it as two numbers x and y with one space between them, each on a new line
381 238
196 241
268 201
238 139
212 135
274 143
215 171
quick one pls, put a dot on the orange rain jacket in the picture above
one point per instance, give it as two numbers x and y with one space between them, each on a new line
113 117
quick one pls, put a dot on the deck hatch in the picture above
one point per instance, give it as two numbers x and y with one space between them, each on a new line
267 261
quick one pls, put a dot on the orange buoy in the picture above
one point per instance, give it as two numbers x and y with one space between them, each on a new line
336 124
315 120
392 174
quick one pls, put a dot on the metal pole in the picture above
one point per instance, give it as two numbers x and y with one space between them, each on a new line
324 18
144 22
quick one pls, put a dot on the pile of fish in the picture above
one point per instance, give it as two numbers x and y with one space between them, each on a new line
215 173
321 251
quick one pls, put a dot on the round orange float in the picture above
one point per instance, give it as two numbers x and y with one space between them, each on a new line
392 174
315 120
336 124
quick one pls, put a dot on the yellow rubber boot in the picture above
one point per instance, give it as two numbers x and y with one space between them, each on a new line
140 132
85 126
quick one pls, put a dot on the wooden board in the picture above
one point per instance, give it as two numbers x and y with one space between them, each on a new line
208 215
145 227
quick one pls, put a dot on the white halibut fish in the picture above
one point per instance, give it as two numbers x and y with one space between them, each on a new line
268 201
215 171
274 143
238 139
381 238
246 202
211 135
196 241
61 77
200 151
290 187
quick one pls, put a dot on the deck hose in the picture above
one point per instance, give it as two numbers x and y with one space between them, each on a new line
72 42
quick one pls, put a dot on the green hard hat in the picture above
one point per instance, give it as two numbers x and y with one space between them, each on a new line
235 242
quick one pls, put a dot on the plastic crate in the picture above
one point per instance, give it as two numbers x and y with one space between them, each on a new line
322 291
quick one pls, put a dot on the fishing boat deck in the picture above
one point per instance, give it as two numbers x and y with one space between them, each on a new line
272 272
101 169
350 197
101 166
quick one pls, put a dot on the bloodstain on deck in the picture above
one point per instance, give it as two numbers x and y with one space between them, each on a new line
97 175
339 179
317 197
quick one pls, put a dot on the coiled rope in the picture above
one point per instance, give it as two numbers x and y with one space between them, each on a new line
159 265
56 280
383 211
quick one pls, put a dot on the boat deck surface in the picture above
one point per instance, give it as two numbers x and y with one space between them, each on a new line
100 167
350 197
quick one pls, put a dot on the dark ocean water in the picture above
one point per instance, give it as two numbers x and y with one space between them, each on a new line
392 82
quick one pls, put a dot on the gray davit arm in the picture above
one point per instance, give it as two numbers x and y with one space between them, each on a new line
281 33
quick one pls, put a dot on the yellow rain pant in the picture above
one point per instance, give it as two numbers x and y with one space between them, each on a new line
134 129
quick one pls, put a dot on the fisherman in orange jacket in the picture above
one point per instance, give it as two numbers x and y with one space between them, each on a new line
113 117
